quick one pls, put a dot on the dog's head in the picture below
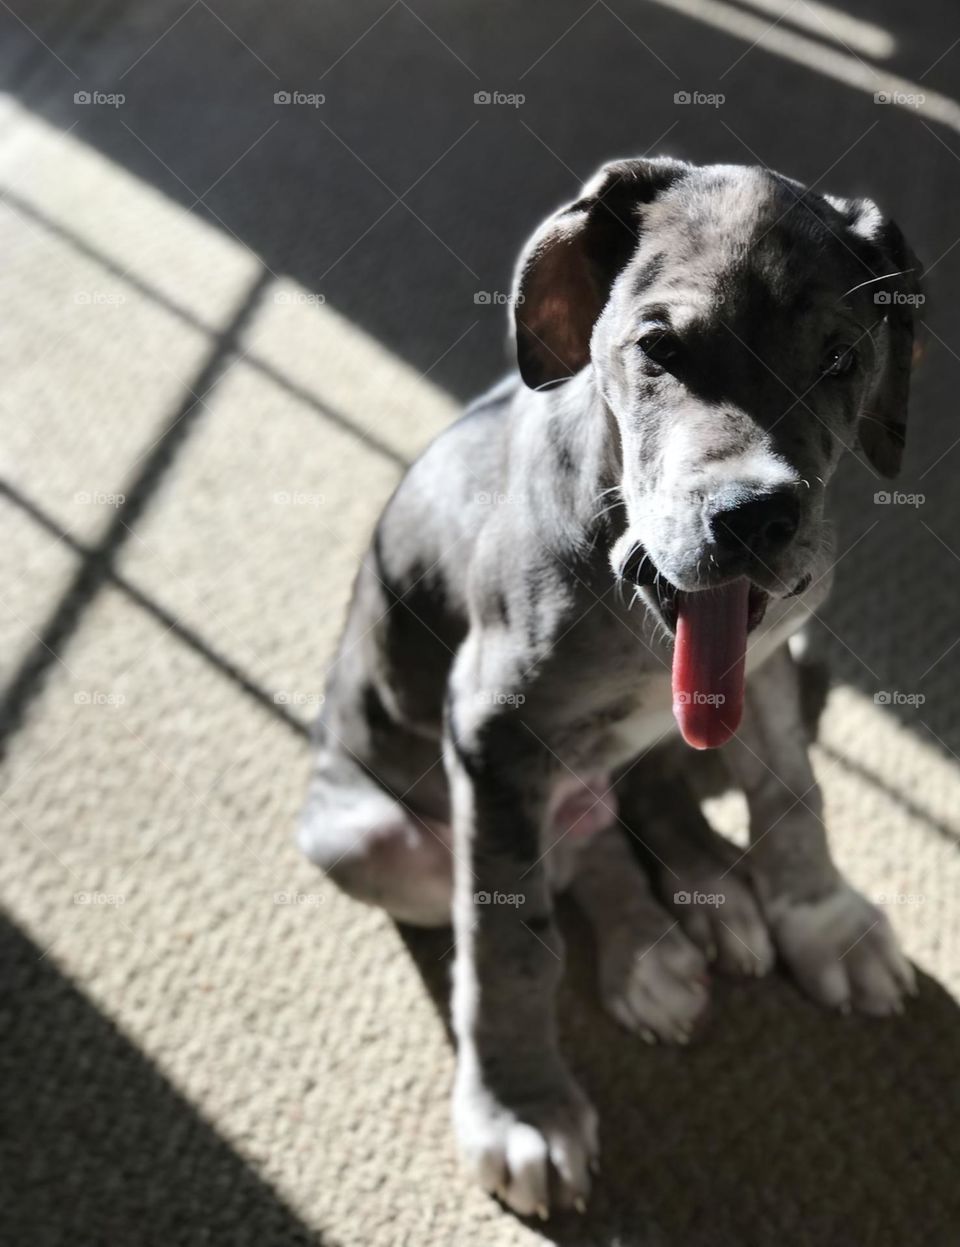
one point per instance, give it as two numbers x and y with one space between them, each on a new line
743 331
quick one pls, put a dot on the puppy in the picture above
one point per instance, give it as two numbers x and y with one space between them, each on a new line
596 568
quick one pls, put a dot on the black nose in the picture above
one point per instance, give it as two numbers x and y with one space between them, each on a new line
762 524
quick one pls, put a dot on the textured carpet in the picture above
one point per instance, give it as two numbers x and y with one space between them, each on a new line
228 324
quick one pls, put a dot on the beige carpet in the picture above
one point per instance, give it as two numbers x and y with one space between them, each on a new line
203 409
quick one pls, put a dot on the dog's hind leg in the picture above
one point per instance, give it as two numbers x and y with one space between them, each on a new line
373 847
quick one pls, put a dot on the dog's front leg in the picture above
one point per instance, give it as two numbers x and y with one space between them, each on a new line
523 1125
841 948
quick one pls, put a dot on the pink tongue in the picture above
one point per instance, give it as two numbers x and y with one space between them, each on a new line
708 657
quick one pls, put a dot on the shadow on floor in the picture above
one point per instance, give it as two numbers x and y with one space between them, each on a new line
97 1147
781 1125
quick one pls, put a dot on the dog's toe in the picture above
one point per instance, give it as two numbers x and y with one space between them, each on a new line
743 942
720 914
657 988
844 953
536 1157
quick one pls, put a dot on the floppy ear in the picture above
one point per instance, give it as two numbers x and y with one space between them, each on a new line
565 273
883 426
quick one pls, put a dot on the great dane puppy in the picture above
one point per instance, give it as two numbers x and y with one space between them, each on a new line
602 560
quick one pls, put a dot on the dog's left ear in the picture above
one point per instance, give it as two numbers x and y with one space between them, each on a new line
566 270
883 425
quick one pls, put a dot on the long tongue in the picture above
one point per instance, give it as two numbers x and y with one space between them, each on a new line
708 659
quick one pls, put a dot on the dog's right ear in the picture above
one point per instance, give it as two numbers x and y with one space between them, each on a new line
565 273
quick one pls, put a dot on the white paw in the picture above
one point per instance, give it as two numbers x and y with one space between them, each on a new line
844 953
654 984
718 911
536 1155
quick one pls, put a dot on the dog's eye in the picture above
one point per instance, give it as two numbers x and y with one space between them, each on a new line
838 361
660 346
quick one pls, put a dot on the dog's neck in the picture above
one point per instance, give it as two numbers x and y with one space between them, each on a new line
572 428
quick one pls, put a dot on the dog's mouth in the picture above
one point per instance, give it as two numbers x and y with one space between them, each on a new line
710 628
669 601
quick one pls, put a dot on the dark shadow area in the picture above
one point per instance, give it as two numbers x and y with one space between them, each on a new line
402 201
97 1147
781 1125
319 191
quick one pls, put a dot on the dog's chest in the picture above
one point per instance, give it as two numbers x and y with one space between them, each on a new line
647 722
623 711
650 720
617 728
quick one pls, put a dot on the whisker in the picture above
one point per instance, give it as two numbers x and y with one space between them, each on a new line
605 511
882 277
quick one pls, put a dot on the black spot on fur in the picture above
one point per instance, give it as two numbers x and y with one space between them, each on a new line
650 273
536 583
375 712
539 925
376 549
499 758
564 458
464 754
420 633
